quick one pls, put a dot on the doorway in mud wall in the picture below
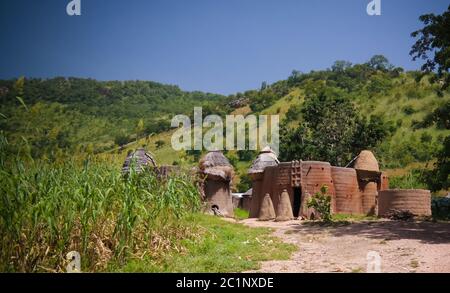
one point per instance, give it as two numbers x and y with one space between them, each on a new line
297 201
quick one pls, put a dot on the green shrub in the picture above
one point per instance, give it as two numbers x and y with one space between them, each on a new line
409 110
440 207
321 202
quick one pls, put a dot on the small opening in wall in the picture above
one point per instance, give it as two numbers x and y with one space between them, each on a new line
297 201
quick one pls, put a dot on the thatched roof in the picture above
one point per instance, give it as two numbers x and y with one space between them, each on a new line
366 161
265 159
140 159
216 166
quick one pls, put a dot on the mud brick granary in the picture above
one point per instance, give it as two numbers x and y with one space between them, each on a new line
138 161
143 161
348 197
266 158
416 201
218 174
353 190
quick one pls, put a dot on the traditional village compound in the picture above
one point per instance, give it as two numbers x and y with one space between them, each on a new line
281 190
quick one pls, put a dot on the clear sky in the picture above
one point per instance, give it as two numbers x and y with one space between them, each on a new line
221 46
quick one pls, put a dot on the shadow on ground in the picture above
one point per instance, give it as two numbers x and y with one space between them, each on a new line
426 232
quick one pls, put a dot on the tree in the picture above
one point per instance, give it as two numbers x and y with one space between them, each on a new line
439 177
263 85
434 37
341 66
331 130
121 140
379 62
159 144
139 128
369 132
331 119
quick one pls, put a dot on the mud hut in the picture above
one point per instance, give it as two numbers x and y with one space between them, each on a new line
314 175
415 201
266 158
218 174
369 175
348 196
138 161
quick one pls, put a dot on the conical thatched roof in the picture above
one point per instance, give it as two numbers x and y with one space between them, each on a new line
367 161
140 159
265 159
216 166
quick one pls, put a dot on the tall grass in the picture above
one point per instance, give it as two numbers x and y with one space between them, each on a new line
47 210
411 180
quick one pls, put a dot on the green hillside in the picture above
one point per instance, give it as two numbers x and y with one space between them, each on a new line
401 116
72 115
410 118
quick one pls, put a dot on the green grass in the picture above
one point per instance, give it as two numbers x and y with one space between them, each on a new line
223 247
241 214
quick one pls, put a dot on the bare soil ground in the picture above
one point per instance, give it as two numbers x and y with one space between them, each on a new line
343 247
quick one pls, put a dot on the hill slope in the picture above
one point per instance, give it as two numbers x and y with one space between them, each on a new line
69 115
415 112
61 116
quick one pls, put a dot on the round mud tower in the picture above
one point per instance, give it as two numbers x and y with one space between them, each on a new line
369 198
367 161
266 212
314 176
266 158
218 173
284 208
348 196
416 201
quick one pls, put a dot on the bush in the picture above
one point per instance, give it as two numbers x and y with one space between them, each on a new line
409 110
440 207
245 183
412 180
159 144
121 140
321 202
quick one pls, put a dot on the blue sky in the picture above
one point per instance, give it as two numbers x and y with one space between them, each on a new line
221 46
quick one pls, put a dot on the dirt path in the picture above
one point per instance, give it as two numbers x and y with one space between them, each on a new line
403 246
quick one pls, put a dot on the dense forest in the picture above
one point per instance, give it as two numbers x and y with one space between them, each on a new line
67 115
